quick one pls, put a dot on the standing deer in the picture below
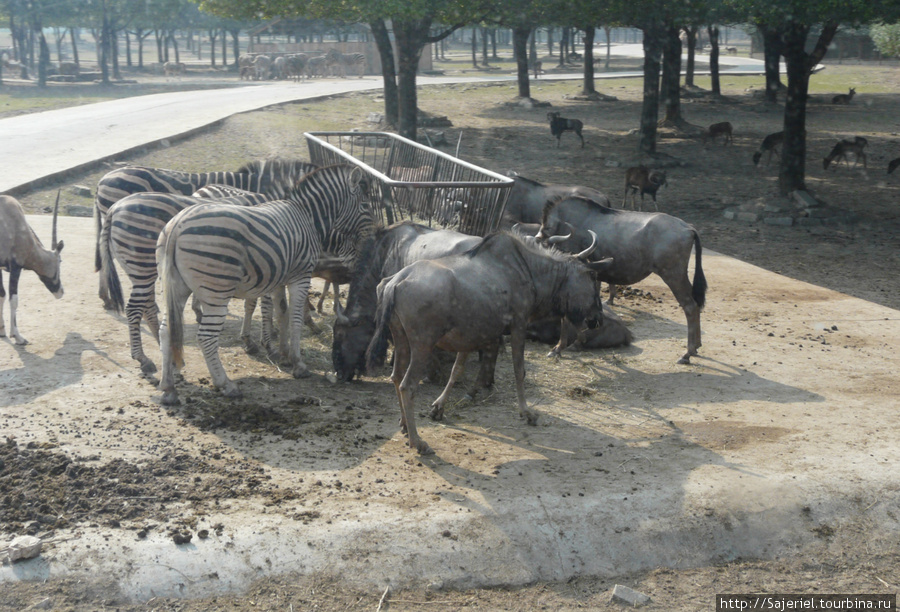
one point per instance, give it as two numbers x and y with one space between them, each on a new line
844 98
640 178
21 249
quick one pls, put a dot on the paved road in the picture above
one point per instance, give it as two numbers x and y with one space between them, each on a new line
41 145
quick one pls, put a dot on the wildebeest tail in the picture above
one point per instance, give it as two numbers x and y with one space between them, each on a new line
378 345
168 272
699 289
107 266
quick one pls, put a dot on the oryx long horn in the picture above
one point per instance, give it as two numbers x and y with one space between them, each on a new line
585 253
55 217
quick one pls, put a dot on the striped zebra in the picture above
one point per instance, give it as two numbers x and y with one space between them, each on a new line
273 176
129 236
334 59
220 252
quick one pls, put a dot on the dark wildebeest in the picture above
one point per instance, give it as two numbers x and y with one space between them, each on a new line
463 302
21 249
390 250
527 198
610 333
640 244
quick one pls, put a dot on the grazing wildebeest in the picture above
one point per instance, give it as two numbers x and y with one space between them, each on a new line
390 250
21 249
463 302
640 244
527 198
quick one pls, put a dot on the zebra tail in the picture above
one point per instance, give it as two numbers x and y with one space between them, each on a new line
165 258
378 345
108 267
98 223
699 289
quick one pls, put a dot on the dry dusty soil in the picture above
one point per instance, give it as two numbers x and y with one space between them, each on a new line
768 465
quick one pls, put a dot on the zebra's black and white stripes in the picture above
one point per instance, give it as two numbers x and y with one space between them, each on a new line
272 176
219 252
129 236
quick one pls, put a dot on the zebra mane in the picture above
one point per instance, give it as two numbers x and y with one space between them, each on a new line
551 204
276 166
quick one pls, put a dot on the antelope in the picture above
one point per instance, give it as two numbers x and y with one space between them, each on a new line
21 249
844 98
558 125
769 145
640 178
719 129
841 149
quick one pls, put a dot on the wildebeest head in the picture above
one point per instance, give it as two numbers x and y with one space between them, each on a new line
351 338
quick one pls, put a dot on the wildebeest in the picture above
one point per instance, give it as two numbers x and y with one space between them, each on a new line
640 244
389 250
463 302
527 198
610 333
21 249
558 125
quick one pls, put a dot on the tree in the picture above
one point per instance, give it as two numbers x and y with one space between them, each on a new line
791 23
886 38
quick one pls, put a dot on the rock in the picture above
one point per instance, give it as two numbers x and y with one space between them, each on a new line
44 604
625 595
81 191
24 547
805 199
75 210
375 118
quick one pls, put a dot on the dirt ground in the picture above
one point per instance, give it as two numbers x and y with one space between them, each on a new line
88 450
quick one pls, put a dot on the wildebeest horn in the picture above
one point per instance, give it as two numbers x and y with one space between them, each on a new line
556 239
585 253
55 217
339 316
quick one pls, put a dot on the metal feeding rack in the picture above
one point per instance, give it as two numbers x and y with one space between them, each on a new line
418 183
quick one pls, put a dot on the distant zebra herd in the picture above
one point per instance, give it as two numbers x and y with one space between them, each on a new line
301 66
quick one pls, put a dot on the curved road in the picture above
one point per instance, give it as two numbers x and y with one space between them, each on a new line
40 145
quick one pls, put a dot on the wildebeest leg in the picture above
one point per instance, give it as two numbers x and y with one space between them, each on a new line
681 288
459 366
299 303
612 293
14 272
517 346
410 362
335 289
208 339
400 365
485 378
2 302
250 347
564 331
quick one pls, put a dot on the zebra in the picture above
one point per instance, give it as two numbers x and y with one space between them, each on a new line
219 252
129 236
316 66
336 59
273 176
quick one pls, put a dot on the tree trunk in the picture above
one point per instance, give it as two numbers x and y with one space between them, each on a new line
388 72
588 86
714 60
74 39
792 172
474 47
690 34
520 50
235 45
608 31
43 57
772 47
671 79
654 36
484 47
104 46
410 36
225 48
114 48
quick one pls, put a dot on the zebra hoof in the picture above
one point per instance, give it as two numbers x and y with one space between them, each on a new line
148 367
250 347
170 398
437 413
685 359
300 371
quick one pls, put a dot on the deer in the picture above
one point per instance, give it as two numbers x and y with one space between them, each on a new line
640 178
21 249
719 129
842 148
558 125
769 145
844 98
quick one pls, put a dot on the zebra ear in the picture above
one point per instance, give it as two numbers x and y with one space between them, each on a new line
358 178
